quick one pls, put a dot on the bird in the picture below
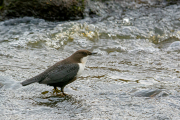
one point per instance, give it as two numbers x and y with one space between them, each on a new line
63 72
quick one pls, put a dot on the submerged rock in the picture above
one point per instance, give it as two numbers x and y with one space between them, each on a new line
46 9
175 46
150 93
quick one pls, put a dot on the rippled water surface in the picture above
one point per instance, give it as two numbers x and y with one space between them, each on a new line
136 74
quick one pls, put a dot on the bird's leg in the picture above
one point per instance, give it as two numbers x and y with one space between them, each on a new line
56 90
62 90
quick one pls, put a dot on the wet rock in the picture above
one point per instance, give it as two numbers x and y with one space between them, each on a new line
69 9
175 46
46 9
95 8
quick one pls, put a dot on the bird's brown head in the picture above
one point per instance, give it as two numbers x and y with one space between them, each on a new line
80 56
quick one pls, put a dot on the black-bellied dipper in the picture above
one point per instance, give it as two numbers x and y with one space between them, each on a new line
63 72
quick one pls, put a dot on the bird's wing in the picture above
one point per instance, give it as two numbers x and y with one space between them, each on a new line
62 73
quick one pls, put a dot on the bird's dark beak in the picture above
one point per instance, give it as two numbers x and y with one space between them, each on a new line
93 53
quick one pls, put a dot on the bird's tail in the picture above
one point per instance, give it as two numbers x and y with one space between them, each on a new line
29 81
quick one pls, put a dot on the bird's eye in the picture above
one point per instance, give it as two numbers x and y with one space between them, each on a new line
84 53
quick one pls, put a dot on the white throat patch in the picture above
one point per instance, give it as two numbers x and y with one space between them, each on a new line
84 59
81 66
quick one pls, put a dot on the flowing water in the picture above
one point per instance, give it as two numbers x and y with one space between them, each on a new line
135 75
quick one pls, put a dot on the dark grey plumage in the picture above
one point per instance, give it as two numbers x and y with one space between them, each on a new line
61 73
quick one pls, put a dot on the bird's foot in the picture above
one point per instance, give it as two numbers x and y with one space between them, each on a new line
59 92
62 94
56 91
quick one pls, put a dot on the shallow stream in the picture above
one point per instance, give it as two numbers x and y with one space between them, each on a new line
136 74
